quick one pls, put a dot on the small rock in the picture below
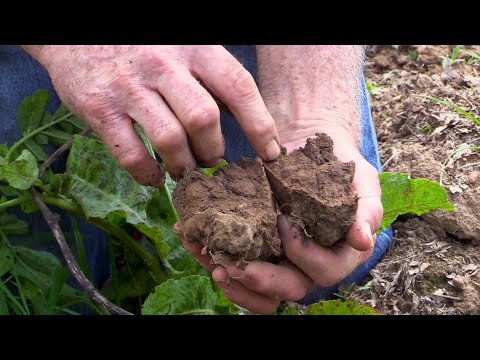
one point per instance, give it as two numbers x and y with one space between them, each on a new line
473 177
458 282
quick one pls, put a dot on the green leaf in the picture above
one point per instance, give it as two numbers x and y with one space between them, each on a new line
100 186
7 260
340 307
189 295
31 110
59 278
211 171
59 135
403 195
10 191
29 207
224 306
161 216
11 225
39 268
171 184
36 149
21 173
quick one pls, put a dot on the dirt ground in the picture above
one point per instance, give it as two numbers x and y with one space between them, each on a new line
433 266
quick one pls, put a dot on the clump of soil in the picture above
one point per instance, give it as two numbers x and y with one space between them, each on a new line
232 213
315 189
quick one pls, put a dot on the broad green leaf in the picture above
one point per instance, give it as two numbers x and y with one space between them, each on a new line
224 306
2 161
31 110
22 172
7 260
403 195
189 295
59 277
340 307
36 149
39 268
11 225
10 191
62 110
100 186
161 216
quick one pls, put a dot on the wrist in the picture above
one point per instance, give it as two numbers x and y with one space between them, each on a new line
37 52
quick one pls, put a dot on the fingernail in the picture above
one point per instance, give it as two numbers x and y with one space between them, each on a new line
368 232
272 151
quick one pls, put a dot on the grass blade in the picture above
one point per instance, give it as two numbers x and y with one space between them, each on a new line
453 106
82 254
15 305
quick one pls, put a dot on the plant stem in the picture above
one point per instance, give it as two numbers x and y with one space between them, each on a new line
15 202
53 221
33 133
114 230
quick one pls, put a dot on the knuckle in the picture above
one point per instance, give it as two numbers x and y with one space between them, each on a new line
294 294
168 138
203 117
264 129
131 160
242 85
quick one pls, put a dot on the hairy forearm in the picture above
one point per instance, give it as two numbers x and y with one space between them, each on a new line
308 87
33 50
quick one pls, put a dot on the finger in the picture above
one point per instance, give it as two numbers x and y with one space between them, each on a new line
366 185
281 282
235 86
242 296
195 249
162 128
361 233
325 266
129 150
198 113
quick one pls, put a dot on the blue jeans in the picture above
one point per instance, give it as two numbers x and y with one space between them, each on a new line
21 75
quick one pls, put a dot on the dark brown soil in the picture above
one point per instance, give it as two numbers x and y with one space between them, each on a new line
232 213
433 266
314 188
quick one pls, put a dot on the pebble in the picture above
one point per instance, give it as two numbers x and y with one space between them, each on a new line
473 177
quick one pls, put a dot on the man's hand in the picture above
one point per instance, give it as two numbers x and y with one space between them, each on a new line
309 89
261 286
112 87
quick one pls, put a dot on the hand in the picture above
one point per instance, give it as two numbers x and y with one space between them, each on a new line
261 286
111 87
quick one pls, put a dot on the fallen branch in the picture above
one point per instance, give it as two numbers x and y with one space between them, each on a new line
52 220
